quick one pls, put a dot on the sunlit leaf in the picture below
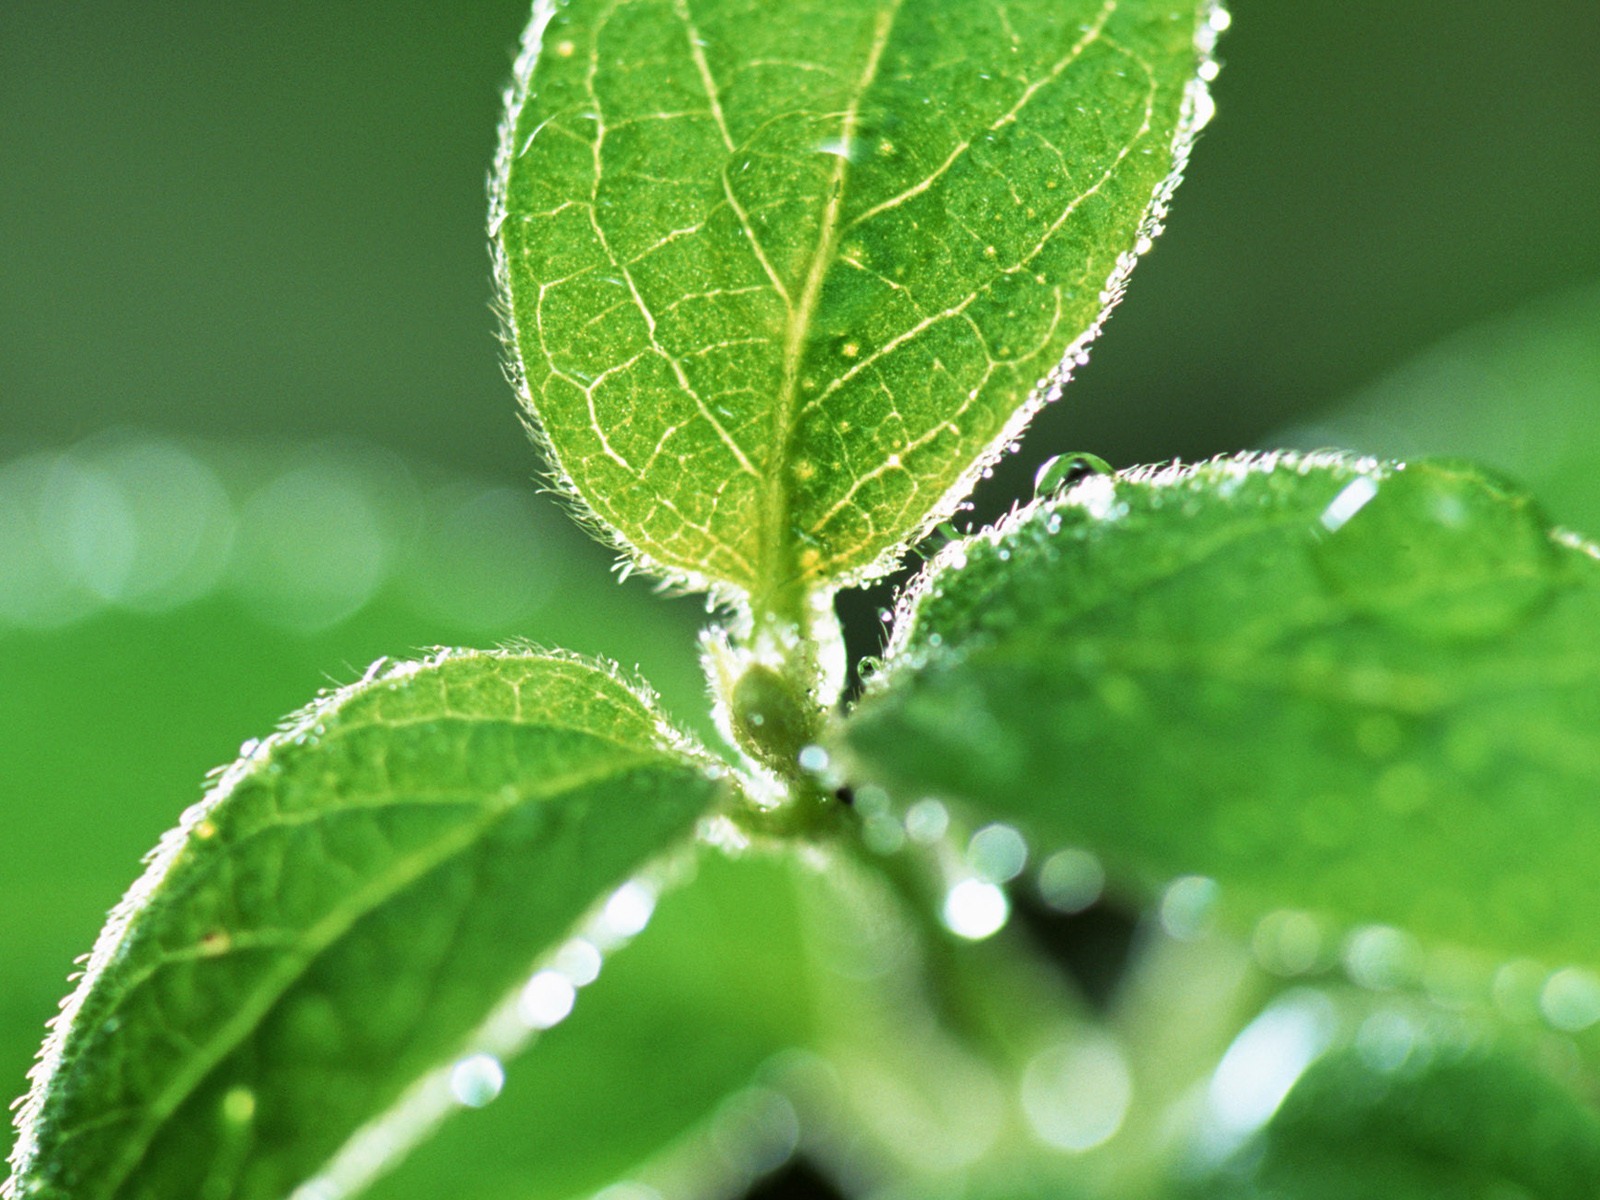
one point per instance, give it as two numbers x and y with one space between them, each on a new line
1325 684
340 915
1520 393
676 1024
780 278
1436 1121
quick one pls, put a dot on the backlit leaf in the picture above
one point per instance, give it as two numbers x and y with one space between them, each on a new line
338 918
1435 1121
1367 691
1520 393
780 278
675 1025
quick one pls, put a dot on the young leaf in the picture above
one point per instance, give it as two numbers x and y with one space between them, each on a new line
779 279
1520 393
1442 1121
339 916
1371 691
676 1024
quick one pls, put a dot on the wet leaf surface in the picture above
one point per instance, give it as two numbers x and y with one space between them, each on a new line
1365 691
780 278
1435 1121
339 917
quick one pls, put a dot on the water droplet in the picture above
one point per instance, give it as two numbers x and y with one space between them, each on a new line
1350 500
845 148
872 800
1219 19
1287 942
1379 958
1057 474
238 1106
882 835
1097 496
1071 880
579 960
546 1000
1518 987
1443 550
626 913
490 561
1187 907
1571 999
1076 1096
476 1081
756 1131
813 758
316 543
926 821
1386 1039
975 909
997 853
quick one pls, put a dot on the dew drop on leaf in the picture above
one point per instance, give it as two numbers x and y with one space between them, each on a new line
1387 1039
1075 1096
579 960
239 1106
546 999
1571 999
1187 907
997 853
1444 550
975 909
1057 474
1380 958
1071 880
476 1081
926 821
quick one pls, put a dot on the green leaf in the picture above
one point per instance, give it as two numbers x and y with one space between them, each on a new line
1520 393
1467 1123
779 279
340 915
676 1024
1327 684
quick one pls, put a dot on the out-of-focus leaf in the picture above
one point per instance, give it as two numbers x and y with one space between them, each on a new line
1321 683
780 278
1520 393
1443 1124
339 917
677 1023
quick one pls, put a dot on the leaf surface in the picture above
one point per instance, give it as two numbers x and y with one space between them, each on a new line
1325 684
339 916
780 278
1520 393
1440 1121
676 1023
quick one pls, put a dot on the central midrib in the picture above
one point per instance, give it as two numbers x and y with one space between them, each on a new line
778 550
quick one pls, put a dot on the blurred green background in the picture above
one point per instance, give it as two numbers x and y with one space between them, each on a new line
253 431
